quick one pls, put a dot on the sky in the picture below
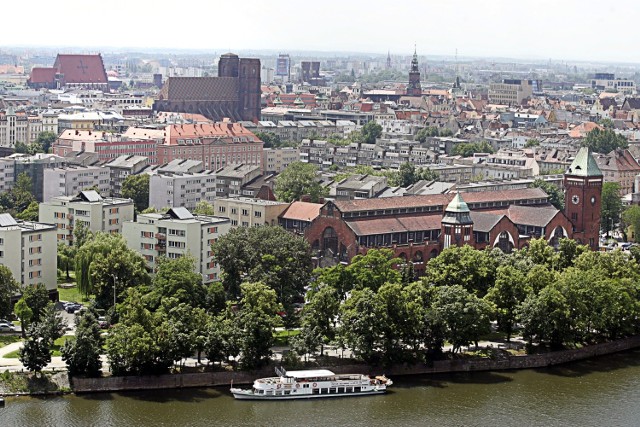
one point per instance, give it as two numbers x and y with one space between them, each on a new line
559 30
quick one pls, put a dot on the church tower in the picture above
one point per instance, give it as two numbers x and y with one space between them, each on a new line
583 198
414 88
388 60
457 225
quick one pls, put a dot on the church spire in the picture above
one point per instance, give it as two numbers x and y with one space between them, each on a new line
414 88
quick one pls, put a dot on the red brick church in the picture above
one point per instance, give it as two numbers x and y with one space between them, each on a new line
79 71
418 228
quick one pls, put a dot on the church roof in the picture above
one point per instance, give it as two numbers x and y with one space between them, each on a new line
81 68
42 75
200 89
584 164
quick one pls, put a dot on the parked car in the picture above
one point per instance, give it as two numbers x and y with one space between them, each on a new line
7 327
72 307
102 322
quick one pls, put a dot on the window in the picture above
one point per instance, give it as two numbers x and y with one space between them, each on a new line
210 230
245 212
234 211
179 233
257 214
221 209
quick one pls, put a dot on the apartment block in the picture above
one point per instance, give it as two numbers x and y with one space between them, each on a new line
7 174
181 189
122 167
249 212
71 180
277 159
97 213
29 250
510 91
175 234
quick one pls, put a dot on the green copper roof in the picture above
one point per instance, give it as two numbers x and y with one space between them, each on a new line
457 204
584 164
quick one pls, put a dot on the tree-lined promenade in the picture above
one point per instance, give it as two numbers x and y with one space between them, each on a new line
553 298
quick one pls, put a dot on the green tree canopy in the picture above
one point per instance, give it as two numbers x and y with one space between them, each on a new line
604 141
177 278
266 254
631 219
297 180
8 288
470 268
46 139
611 207
82 354
469 149
370 132
204 208
19 197
556 195
136 187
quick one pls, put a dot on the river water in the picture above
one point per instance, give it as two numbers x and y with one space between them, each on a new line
600 392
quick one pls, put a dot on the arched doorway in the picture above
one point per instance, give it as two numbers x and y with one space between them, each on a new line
557 234
418 257
504 242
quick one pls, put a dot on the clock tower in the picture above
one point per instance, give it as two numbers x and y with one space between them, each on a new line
583 198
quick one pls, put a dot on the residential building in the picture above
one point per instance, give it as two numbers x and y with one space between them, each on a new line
231 179
29 250
7 174
34 166
122 167
106 146
298 216
249 212
18 127
177 233
71 180
359 187
619 166
510 91
181 189
277 159
608 81
216 145
94 211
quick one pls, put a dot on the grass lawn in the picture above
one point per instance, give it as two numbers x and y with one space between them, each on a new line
63 277
56 347
281 338
9 339
71 294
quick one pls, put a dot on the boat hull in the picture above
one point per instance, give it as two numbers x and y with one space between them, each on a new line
243 395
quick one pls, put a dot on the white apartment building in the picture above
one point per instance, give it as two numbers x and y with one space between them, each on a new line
510 91
248 212
183 189
29 250
18 127
175 234
97 213
7 174
71 180
277 159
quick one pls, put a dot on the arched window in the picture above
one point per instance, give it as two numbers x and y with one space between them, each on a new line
330 241
418 257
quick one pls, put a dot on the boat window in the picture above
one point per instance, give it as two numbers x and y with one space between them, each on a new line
278 393
333 390
316 391
305 386
287 392
356 389
324 391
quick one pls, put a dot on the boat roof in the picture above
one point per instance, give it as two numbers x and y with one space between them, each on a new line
311 373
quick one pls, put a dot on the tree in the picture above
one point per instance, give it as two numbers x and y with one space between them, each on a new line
258 318
30 213
204 208
24 313
470 268
136 187
465 316
37 298
319 317
507 294
556 195
427 132
106 262
469 149
611 208
66 256
81 234
8 288
177 278
546 317
531 143
46 139
266 254
604 141
568 251
21 147
35 354
631 219
540 253
370 132
360 320
82 354
374 269
20 197
297 180
270 139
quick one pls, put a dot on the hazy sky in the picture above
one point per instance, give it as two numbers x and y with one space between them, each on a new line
555 29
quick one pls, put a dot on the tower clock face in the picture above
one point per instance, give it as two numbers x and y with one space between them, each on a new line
593 200
575 199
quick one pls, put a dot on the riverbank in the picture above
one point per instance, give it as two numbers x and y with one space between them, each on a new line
500 361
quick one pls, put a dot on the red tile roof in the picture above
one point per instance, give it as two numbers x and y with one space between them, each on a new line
302 211
537 216
81 68
366 227
206 130
42 75
438 199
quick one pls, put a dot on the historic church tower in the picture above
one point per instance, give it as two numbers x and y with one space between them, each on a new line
414 88
583 198
457 225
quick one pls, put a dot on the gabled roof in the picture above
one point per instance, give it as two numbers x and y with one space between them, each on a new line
302 211
42 75
90 196
484 222
7 220
584 164
81 68
200 89
380 225
529 215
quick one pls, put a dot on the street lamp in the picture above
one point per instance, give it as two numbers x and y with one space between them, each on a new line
115 278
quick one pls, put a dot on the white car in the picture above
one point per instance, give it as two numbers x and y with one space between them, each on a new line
7 327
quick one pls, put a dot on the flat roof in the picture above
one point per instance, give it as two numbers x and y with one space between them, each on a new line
311 373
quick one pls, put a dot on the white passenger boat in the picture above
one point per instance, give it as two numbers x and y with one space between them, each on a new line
312 384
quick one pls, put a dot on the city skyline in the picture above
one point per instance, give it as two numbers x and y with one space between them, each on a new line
567 30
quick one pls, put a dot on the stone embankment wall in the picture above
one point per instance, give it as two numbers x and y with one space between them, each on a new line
210 379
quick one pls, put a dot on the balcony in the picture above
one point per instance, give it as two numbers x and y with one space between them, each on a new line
161 248
161 236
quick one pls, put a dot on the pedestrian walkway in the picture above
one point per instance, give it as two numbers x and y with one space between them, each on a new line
14 364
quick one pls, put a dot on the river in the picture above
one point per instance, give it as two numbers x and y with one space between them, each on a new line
599 392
